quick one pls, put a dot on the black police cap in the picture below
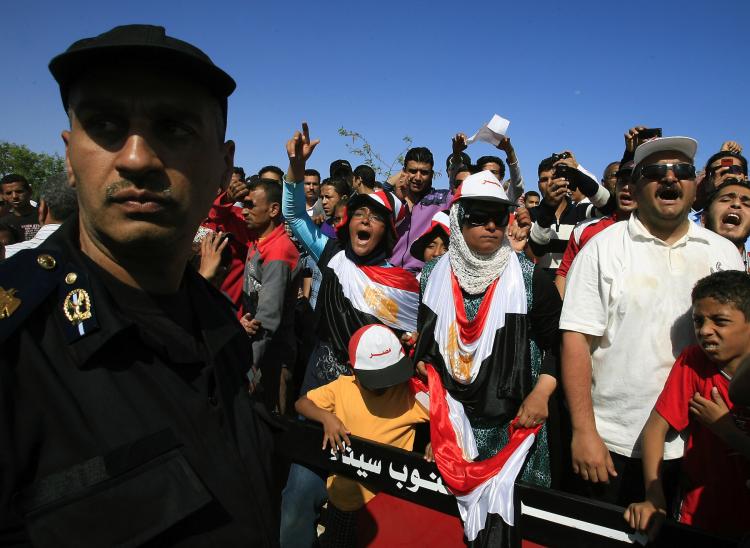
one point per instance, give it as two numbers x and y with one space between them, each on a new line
147 44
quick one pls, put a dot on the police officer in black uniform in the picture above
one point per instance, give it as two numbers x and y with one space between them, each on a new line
124 412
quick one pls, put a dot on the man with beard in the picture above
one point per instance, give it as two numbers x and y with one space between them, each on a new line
626 317
126 417
728 213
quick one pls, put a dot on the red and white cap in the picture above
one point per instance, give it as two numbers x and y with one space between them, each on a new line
482 186
383 200
441 223
377 357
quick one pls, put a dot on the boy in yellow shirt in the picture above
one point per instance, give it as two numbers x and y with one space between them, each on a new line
376 403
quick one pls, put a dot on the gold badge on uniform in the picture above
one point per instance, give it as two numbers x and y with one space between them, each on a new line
8 303
77 306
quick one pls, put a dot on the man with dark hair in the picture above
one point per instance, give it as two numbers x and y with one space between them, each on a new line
57 202
609 178
312 194
531 199
238 173
341 169
514 186
363 181
457 175
558 213
727 163
271 172
422 203
23 215
728 213
269 290
128 422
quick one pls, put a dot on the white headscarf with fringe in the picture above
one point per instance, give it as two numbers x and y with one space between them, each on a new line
474 272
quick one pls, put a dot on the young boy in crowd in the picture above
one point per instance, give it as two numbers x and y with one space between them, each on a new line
713 495
375 403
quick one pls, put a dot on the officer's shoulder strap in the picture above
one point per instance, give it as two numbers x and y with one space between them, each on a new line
26 280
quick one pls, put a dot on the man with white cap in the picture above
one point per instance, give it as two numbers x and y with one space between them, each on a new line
626 317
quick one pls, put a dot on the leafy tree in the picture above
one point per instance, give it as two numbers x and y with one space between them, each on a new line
35 166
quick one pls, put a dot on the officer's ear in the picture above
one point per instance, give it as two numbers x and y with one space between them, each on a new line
68 170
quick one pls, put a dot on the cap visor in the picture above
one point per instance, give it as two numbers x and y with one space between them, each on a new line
399 372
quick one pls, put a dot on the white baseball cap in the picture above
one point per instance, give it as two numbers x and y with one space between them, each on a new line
377 357
482 186
685 145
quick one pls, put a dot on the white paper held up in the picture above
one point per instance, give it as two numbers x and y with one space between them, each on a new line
491 132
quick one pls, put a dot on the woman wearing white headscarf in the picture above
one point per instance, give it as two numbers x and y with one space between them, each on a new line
488 327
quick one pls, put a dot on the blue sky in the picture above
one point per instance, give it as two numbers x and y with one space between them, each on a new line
569 75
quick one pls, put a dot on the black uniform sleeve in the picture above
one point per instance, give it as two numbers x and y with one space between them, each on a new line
544 317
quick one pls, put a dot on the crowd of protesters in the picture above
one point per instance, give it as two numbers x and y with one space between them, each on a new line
607 318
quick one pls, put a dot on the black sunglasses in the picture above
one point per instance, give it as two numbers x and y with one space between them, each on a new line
655 172
481 218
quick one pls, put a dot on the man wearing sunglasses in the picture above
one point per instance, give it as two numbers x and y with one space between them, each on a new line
422 203
626 316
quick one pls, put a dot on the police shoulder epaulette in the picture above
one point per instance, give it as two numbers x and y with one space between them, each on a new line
26 280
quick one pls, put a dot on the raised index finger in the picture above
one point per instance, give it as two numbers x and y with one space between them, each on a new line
306 132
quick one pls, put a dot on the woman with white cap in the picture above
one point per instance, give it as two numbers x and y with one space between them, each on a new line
488 332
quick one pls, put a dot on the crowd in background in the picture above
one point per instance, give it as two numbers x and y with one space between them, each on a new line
608 315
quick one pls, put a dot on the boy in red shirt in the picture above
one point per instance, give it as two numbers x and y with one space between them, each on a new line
713 495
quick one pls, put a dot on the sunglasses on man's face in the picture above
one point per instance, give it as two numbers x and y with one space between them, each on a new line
655 172
481 218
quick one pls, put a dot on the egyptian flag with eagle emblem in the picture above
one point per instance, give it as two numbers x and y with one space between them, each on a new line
483 363
477 368
358 291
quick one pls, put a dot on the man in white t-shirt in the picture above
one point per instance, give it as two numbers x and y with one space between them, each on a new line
626 318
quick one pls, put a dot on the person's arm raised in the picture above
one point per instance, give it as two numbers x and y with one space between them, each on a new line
299 149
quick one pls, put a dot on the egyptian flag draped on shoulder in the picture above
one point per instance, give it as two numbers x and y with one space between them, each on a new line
480 367
352 296
483 363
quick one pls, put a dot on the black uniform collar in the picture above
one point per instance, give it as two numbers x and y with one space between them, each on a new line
87 335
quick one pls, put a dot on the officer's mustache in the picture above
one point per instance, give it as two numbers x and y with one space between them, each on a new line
147 189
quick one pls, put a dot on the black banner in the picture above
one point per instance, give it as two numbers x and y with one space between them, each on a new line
544 516
400 473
